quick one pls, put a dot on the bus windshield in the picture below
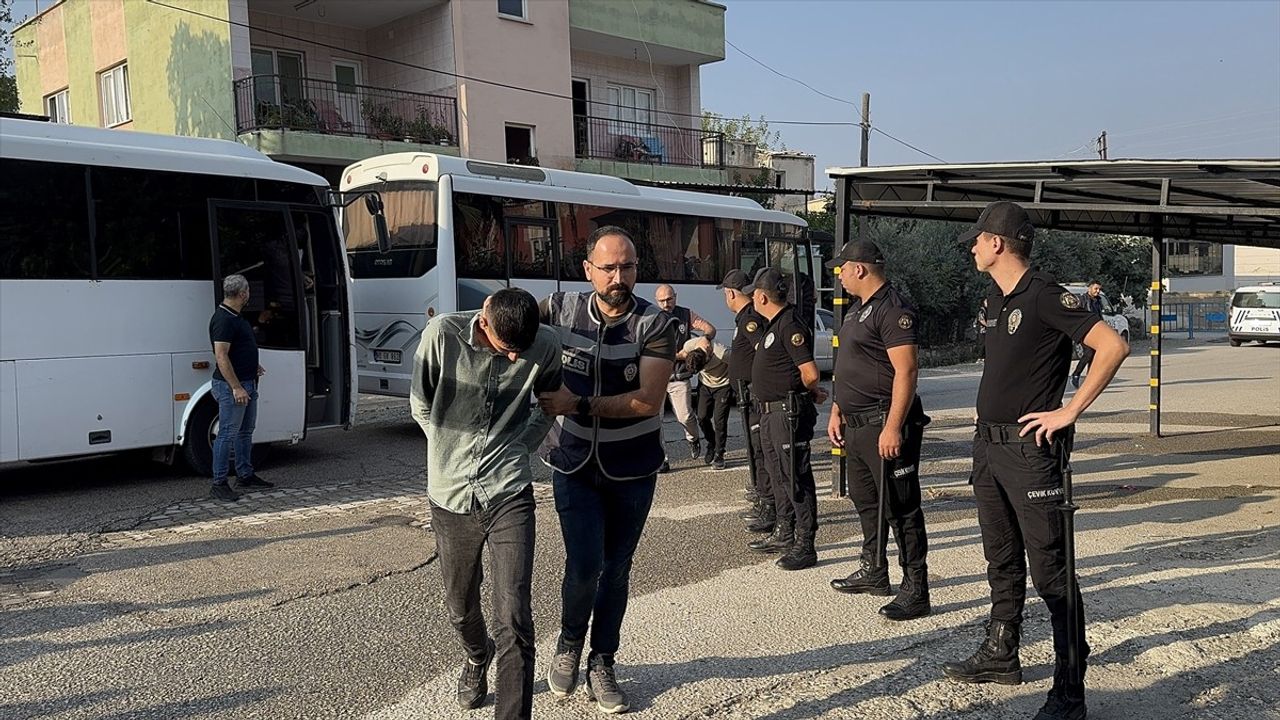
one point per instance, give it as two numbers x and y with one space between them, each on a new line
410 209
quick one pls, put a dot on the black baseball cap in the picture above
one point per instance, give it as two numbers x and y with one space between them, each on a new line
735 280
863 251
769 279
1002 218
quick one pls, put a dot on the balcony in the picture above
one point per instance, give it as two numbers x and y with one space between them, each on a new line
326 107
629 141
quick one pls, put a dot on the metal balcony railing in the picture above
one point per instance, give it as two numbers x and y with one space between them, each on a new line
331 108
631 141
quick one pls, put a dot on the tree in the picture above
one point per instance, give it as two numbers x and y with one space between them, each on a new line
8 83
744 129
824 219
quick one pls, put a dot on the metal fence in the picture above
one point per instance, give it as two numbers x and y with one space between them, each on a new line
1194 317
331 108
631 141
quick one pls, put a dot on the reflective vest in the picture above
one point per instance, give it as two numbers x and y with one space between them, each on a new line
604 360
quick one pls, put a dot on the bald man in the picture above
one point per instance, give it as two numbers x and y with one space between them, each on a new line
678 389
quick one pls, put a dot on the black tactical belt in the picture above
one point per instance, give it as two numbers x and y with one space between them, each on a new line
773 406
1003 434
862 419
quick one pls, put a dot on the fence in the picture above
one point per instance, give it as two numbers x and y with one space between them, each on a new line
330 108
1193 317
632 141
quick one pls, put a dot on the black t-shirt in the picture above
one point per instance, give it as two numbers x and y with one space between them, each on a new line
228 326
1029 336
775 370
864 375
750 328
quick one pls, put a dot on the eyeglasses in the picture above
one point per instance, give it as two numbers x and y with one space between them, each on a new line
611 269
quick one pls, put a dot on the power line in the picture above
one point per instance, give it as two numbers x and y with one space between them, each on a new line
907 144
786 76
545 93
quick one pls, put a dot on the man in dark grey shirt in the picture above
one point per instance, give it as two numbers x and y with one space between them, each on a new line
474 377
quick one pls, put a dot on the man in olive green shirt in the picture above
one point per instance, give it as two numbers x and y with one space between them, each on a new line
474 377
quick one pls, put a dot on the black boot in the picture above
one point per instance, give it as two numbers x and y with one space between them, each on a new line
752 512
765 521
1066 697
866 579
711 453
996 660
801 555
913 597
779 541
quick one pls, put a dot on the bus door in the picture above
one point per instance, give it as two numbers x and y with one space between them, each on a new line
257 240
532 255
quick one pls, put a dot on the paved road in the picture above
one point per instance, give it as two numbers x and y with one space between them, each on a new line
123 594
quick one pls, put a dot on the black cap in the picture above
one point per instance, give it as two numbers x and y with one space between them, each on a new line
1002 218
734 280
863 251
769 279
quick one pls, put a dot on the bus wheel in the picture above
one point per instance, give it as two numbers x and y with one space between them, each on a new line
197 449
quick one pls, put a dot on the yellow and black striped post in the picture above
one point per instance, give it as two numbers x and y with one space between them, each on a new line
1156 305
839 478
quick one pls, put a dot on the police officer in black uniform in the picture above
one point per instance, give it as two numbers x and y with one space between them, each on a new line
878 417
749 329
784 381
1020 454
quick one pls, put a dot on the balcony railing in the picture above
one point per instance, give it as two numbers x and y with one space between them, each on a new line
330 108
632 141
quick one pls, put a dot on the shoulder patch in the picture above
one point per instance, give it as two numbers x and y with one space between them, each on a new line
1070 300
752 326
797 339
905 322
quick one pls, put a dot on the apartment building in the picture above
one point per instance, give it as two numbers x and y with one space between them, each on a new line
593 85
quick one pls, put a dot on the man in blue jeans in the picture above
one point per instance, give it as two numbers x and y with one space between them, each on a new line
605 448
235 387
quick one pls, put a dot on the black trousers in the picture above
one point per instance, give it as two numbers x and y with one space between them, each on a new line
714 405
796 502
902 495
1086 359
508 531
1018 488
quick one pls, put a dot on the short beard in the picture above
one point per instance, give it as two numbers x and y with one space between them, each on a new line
616 295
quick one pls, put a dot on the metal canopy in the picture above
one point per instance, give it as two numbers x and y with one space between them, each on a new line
1222 201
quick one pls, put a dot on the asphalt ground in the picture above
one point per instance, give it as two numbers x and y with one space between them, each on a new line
123 594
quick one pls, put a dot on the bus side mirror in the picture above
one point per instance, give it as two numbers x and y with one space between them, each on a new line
373 203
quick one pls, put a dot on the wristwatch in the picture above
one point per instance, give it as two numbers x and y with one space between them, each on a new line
584 405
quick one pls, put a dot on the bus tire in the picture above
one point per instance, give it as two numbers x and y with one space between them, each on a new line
197 448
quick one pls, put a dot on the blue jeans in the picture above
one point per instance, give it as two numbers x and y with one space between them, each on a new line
601 521
235 430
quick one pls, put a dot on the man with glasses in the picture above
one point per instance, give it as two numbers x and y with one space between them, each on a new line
473 375
604 449
679 387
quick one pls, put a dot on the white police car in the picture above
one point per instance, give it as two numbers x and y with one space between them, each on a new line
1255 314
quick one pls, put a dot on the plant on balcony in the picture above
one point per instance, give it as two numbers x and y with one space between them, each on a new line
267 114
301 114
383 123
424 129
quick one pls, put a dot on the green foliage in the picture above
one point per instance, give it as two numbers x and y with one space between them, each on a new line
8 83
744 129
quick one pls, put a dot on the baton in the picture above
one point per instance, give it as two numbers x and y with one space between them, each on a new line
882 542
744 403
1068 509
793 426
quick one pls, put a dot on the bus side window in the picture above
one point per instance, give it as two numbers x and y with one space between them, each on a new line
44 221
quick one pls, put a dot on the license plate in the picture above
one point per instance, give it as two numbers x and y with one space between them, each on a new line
387 357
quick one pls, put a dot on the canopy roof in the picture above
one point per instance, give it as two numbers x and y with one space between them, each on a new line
1222 201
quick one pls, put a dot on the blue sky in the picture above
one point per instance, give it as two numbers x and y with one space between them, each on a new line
992 81
998 81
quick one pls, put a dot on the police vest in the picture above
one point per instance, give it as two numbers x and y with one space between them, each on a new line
684 330
603 360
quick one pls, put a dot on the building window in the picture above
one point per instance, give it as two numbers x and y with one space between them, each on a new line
114 86
630 104
520 147
57 107
1193 257
513 9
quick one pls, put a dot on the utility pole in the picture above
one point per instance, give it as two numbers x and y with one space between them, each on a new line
1102 145
866 140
